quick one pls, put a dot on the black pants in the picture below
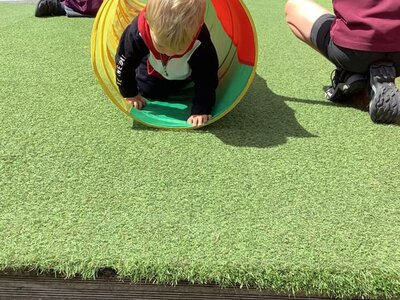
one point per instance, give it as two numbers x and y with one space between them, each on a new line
153 87
350 60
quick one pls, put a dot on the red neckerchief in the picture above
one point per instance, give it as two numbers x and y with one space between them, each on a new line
144 30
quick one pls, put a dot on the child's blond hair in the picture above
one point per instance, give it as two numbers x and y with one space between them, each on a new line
174 23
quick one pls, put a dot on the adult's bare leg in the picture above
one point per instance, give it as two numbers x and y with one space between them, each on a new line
301 16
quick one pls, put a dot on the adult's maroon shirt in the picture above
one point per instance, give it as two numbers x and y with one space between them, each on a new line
86 7
367 25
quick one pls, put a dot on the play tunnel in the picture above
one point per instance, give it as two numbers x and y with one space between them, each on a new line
234 37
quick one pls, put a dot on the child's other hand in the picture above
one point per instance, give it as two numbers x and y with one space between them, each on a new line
137 102
198 120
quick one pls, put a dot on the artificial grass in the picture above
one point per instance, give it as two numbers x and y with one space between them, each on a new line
288 192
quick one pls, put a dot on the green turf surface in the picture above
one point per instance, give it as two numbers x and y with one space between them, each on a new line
288 192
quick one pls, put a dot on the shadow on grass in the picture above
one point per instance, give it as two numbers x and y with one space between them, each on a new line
262 119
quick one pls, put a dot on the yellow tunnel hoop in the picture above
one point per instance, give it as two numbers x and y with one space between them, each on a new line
233 34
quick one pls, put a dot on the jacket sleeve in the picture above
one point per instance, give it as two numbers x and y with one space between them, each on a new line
131 50
204 64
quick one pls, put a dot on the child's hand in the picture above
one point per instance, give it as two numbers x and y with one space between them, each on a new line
137 102
198 120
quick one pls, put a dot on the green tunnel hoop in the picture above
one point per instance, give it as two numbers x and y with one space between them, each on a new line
233 34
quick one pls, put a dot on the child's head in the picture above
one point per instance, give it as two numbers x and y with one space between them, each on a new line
174 23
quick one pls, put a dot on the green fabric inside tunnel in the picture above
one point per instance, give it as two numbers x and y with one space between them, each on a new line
174 111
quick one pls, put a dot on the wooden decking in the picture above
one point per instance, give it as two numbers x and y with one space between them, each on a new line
29 285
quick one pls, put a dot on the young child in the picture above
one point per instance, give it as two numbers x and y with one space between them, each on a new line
362 39
165 47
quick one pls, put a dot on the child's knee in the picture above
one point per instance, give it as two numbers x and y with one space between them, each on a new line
152 90
149 86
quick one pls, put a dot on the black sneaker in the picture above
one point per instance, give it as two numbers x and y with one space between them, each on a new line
344 84
46 8
384 106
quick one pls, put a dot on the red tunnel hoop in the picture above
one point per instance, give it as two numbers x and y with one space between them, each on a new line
231 12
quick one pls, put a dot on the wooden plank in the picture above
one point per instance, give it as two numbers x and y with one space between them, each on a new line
29 285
